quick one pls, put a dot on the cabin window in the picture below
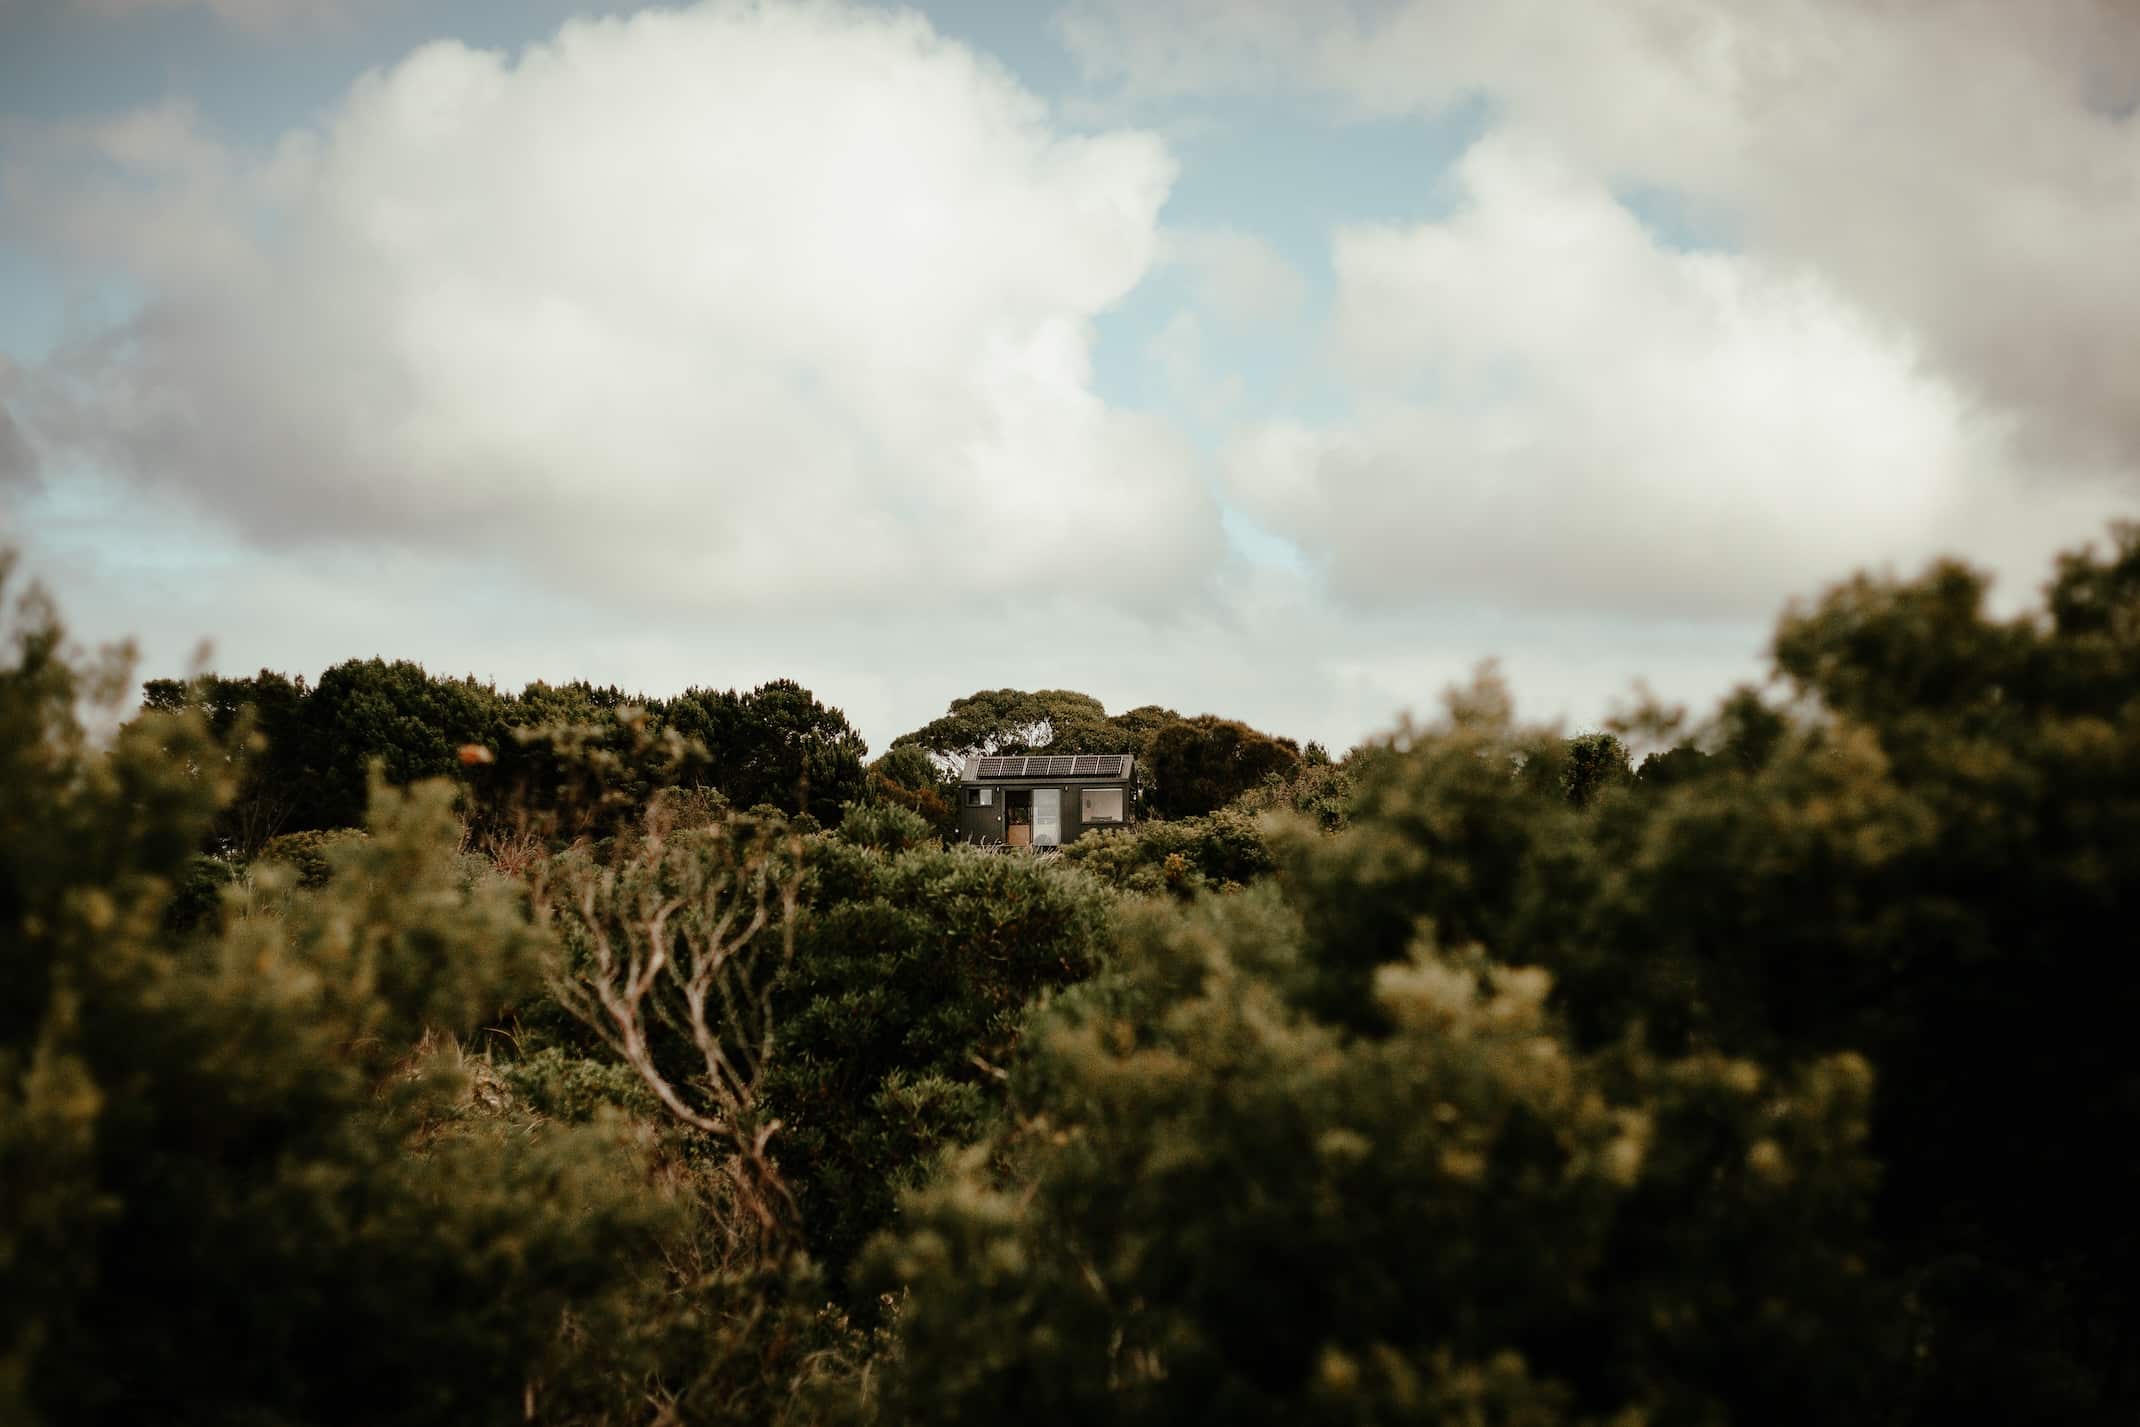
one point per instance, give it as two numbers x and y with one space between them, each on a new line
978 797
1103 805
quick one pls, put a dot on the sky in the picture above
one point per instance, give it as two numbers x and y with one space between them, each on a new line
1283 359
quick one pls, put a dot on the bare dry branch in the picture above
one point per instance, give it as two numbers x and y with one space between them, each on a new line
668 949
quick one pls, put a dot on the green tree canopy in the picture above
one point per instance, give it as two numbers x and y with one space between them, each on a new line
776 744
1206 762
412 723
238 1177
1012 721
1217 1207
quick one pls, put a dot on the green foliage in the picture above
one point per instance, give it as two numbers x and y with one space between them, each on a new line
410 723
775 745
1979 877
1786 1079
1320 790
908 766
239 1176
908 986
1216 1207
554 1081
1013 721
909 778
259 723
1672 767
886 827
1916 865
197 898
567 759
1137 728
558 781
307 854
1179 858
1204 763
1595 763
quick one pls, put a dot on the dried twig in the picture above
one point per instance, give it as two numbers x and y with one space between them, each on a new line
685 931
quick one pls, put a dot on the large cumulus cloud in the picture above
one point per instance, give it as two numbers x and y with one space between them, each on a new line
740 306
1556 410
1962 170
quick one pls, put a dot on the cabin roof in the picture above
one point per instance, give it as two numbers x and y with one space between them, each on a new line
1105 767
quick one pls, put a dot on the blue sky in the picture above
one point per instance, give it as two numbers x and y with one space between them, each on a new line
1358 344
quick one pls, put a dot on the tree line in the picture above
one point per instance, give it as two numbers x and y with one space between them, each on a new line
303 753
1482 1074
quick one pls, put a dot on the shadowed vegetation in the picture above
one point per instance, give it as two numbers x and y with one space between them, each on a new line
398 1050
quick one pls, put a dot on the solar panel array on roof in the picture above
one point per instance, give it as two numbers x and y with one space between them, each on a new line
1057 765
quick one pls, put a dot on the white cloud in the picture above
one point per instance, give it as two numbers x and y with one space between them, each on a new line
1964 170
1556 412
737 308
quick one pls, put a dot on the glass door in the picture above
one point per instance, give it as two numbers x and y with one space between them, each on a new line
1047 817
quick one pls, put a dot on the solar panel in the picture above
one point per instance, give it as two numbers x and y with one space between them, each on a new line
1057 765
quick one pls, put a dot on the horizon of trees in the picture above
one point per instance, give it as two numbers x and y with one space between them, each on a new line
307 751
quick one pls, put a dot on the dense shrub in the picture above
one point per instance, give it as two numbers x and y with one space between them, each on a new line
1217 1207
238 1176
887 827
906 995
1178 857
308 855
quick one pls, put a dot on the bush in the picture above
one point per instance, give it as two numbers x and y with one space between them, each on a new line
1179 857
239 1176
1217 1207
906 995
885 827
307 854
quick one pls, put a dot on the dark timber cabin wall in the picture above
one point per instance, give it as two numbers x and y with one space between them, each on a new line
989 786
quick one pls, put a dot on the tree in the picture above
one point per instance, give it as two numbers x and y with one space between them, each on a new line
410 723
259 723
245 1176
905 998
1216 1207
1914 872
672 943
775 745
1013 721
909 778
1916 859
1594 763
1137 728
1671 767
547 785
1206 762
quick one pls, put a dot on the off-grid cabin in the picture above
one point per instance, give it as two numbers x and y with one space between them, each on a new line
1044 800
